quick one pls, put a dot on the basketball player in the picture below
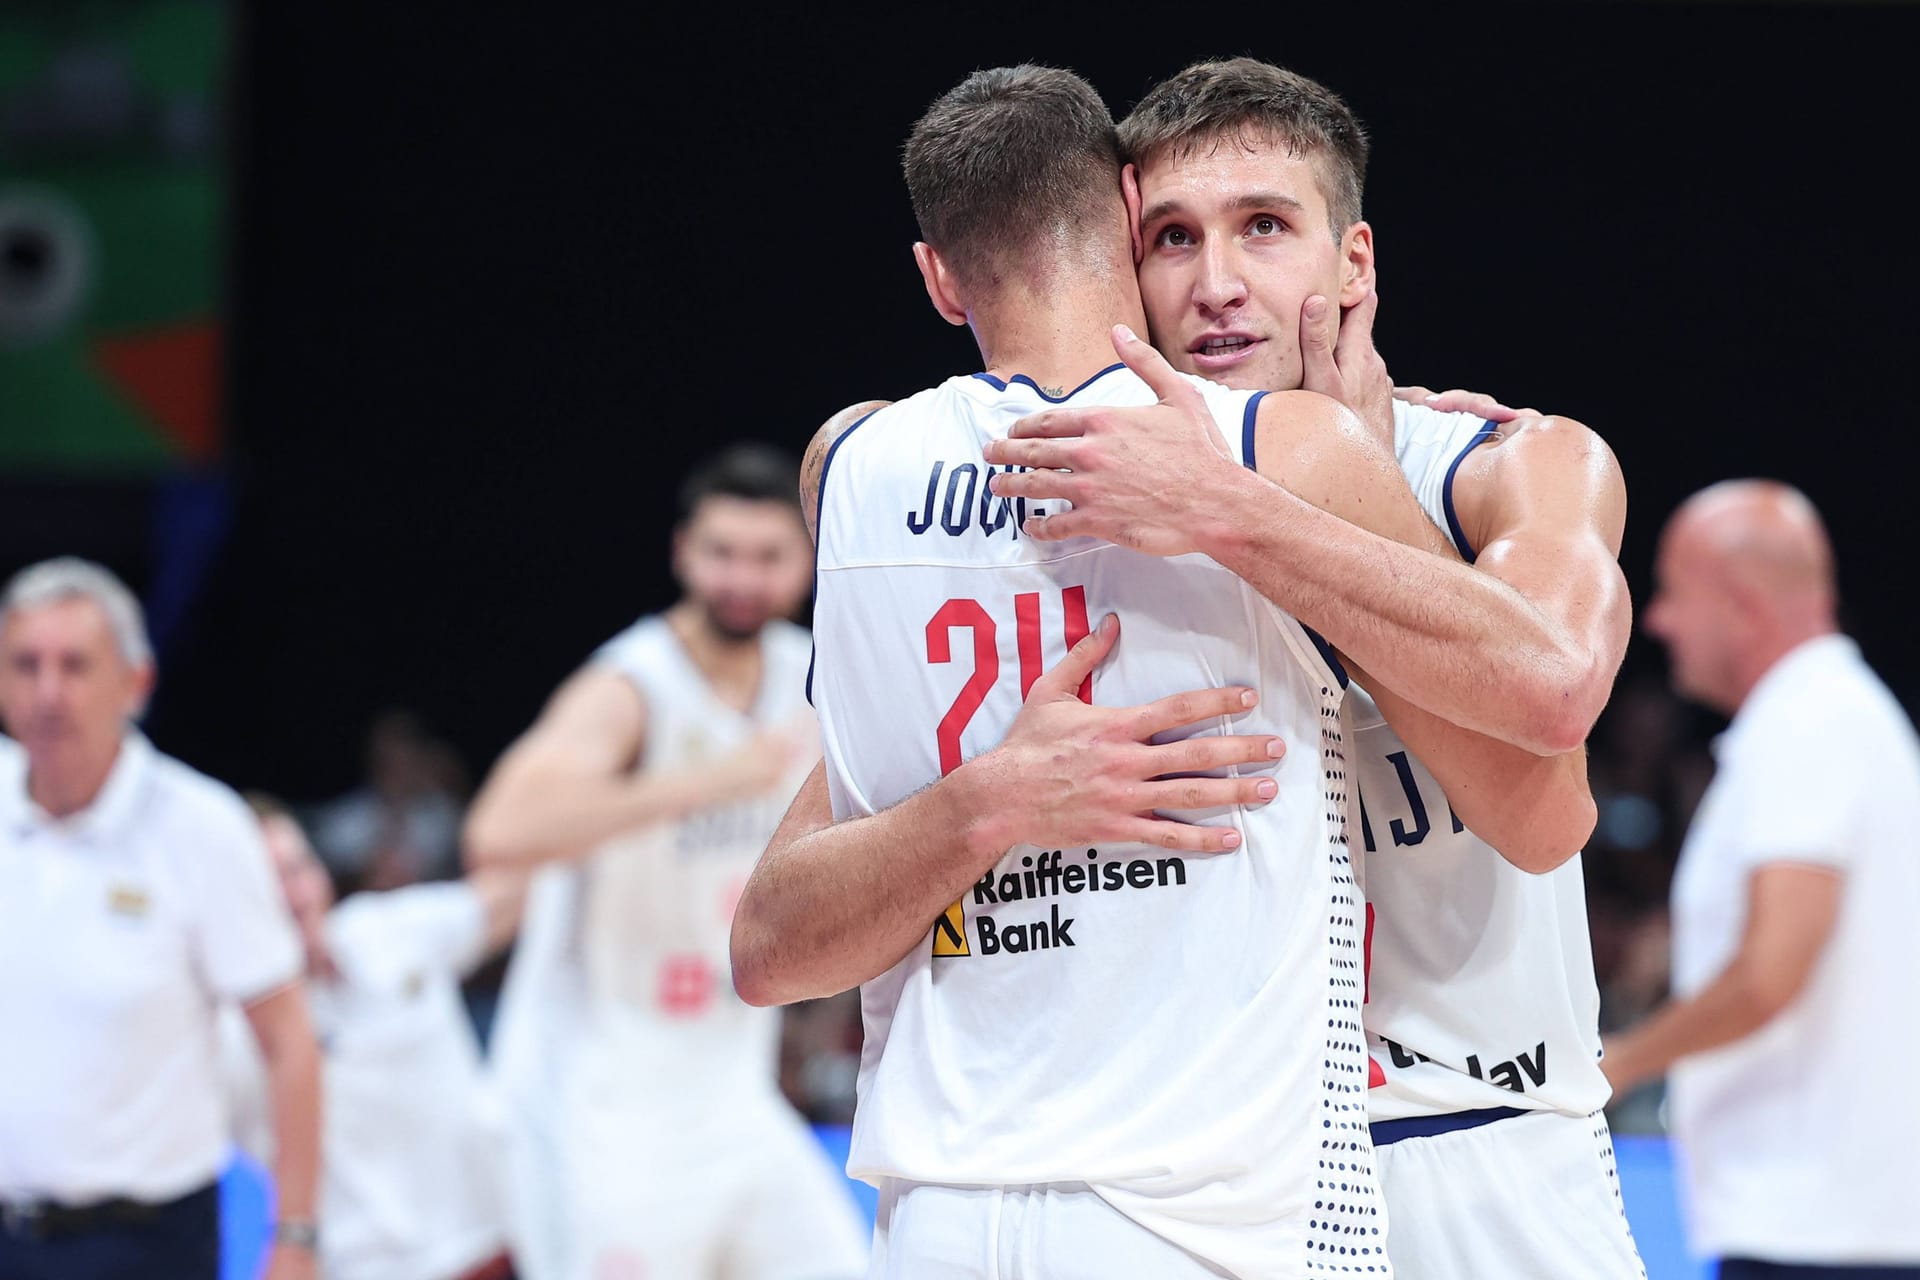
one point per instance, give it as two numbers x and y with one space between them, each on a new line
1101 1060
1482 1010
647 788
411 1186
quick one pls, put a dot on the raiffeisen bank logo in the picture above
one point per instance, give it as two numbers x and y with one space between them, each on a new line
980 924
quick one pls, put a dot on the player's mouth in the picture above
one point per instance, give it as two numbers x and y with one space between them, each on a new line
1218 351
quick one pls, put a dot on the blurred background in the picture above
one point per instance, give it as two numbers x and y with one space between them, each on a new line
369 342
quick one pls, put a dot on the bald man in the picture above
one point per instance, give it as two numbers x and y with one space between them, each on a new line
1791 1035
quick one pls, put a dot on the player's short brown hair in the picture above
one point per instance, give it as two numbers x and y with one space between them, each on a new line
1248 103
751 470
1005 162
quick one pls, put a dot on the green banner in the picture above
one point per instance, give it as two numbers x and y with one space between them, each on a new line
112 171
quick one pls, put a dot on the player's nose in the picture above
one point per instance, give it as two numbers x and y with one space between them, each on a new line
1219 285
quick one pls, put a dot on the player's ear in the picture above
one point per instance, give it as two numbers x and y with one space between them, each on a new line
140 682
1130 192
942 289
1356 267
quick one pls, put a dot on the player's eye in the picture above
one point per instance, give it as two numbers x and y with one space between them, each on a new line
1173 238
1266 225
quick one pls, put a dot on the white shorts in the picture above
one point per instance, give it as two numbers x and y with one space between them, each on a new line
741 1192
1524 1198
1060 1231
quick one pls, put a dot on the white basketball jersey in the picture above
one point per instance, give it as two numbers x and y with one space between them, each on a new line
656 907
1179 1032
1481 990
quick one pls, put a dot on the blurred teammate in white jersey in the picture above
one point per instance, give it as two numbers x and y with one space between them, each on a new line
651 1139
1482 1012
1112 1022
411 1187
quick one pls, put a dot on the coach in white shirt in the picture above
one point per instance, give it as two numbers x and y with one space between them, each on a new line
135 898
1796 910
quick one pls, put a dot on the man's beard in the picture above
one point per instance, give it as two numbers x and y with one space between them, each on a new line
731 632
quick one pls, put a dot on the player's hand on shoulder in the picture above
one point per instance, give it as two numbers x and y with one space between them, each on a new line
1339 360
1546 477
1139 476
1477 403
1074 773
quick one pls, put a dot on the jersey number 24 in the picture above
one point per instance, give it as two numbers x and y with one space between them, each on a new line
970 615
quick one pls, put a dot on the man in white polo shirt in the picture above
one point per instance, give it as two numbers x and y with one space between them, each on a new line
1795 945
135 899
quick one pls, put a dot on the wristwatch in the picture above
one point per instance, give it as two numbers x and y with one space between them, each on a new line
301 1233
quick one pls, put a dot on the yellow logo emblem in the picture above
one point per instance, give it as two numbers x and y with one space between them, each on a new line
950 933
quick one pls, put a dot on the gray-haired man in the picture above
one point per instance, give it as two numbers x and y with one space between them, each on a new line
136 897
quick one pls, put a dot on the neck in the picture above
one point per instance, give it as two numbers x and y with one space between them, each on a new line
1764 657
63 787
1059 337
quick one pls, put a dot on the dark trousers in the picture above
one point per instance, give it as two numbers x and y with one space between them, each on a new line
181 1241
1751 1269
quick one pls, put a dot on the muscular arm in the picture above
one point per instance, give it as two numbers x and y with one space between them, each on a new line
1524 651
569 784
833 905
1791 909
1522 648
1536 810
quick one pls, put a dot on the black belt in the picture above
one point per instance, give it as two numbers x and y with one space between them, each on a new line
51 1220
1387 1132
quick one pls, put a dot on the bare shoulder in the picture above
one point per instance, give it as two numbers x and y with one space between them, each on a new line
1552 443
597 714
1304 439
814 465
1301 412
1538 465
1321 452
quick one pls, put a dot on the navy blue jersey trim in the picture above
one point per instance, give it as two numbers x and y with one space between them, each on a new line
1387 1132
1327 654
819 509
1249 428
1022 378
1486 432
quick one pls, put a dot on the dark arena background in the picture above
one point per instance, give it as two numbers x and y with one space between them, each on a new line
476 284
